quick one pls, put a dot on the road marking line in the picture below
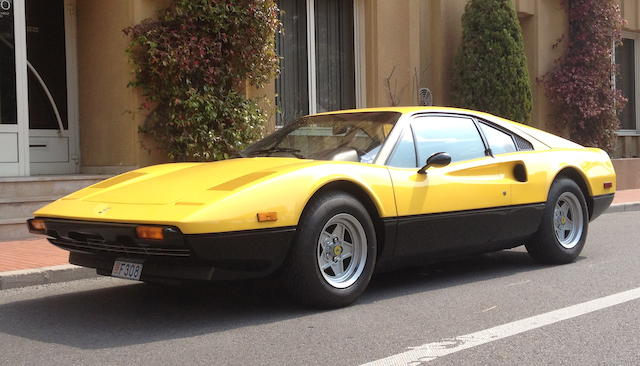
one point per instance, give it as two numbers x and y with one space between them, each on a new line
489 309
430 351
518 283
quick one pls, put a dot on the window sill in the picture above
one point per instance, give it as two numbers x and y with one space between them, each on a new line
628 133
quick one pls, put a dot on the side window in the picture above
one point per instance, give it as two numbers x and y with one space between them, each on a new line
457 136
499 142
404 154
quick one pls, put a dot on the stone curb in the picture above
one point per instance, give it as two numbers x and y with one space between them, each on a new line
43 276
624 207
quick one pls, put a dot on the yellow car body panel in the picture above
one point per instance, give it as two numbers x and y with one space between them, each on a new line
219 196
227 195
489 182
473 184
593 165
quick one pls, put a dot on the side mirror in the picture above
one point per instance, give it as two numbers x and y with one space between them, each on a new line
437 160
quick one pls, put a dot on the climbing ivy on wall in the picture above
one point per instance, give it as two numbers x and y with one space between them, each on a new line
192 64
580 86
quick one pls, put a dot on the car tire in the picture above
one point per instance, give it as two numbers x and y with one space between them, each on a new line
565 221
334 252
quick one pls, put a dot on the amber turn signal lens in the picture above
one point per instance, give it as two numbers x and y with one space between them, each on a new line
37 226
150 232
267 216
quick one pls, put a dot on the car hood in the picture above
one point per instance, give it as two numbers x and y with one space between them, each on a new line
172 183
215 197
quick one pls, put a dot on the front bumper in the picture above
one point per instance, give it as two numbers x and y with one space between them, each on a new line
231 255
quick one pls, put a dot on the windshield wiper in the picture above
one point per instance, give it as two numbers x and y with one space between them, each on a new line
277 149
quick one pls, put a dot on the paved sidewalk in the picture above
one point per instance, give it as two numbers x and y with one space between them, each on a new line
627 196
29 254
35 261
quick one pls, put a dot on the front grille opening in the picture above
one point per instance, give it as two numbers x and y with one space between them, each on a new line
125 240
119 249
113 240
85 237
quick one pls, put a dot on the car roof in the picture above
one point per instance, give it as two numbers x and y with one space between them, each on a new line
403 110
420 109
539 136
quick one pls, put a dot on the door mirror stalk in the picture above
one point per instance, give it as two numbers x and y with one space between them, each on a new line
438 160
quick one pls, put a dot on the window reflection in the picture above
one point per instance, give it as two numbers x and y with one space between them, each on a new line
456 136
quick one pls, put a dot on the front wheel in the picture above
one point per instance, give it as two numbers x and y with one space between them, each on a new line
334 252
563 230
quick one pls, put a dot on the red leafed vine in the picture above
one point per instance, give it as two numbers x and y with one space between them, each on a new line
580 86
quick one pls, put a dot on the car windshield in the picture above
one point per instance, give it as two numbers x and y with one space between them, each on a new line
347 137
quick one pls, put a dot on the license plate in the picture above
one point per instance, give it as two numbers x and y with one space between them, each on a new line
127 270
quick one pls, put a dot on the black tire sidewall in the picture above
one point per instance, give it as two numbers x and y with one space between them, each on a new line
547 247
310 284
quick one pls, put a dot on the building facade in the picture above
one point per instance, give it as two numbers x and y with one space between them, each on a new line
65 107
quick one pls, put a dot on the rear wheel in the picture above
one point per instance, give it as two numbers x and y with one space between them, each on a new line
334 252
563 230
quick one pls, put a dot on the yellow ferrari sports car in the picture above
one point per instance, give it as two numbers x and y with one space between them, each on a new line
330 198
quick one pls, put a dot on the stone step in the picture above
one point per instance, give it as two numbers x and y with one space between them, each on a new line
23 206
20 196
14 229
39 186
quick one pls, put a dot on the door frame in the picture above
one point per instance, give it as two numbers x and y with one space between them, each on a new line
20 167
359 53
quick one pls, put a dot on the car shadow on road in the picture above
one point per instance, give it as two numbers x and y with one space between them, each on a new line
121 314
451 273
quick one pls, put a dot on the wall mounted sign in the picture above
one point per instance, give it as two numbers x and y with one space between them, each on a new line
5 5
6 16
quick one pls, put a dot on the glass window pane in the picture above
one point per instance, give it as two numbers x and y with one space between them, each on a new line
626 82
499 142
292 86
404 154
8 111
335 55
456 136
46 52
342 136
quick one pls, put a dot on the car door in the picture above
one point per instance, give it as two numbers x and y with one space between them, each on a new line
511 153
453 209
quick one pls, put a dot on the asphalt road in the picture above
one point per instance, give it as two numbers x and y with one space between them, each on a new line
109 321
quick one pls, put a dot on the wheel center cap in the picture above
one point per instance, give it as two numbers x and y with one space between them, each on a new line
563 220
337 250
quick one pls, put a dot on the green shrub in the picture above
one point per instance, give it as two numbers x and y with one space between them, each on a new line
490 71
190 64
